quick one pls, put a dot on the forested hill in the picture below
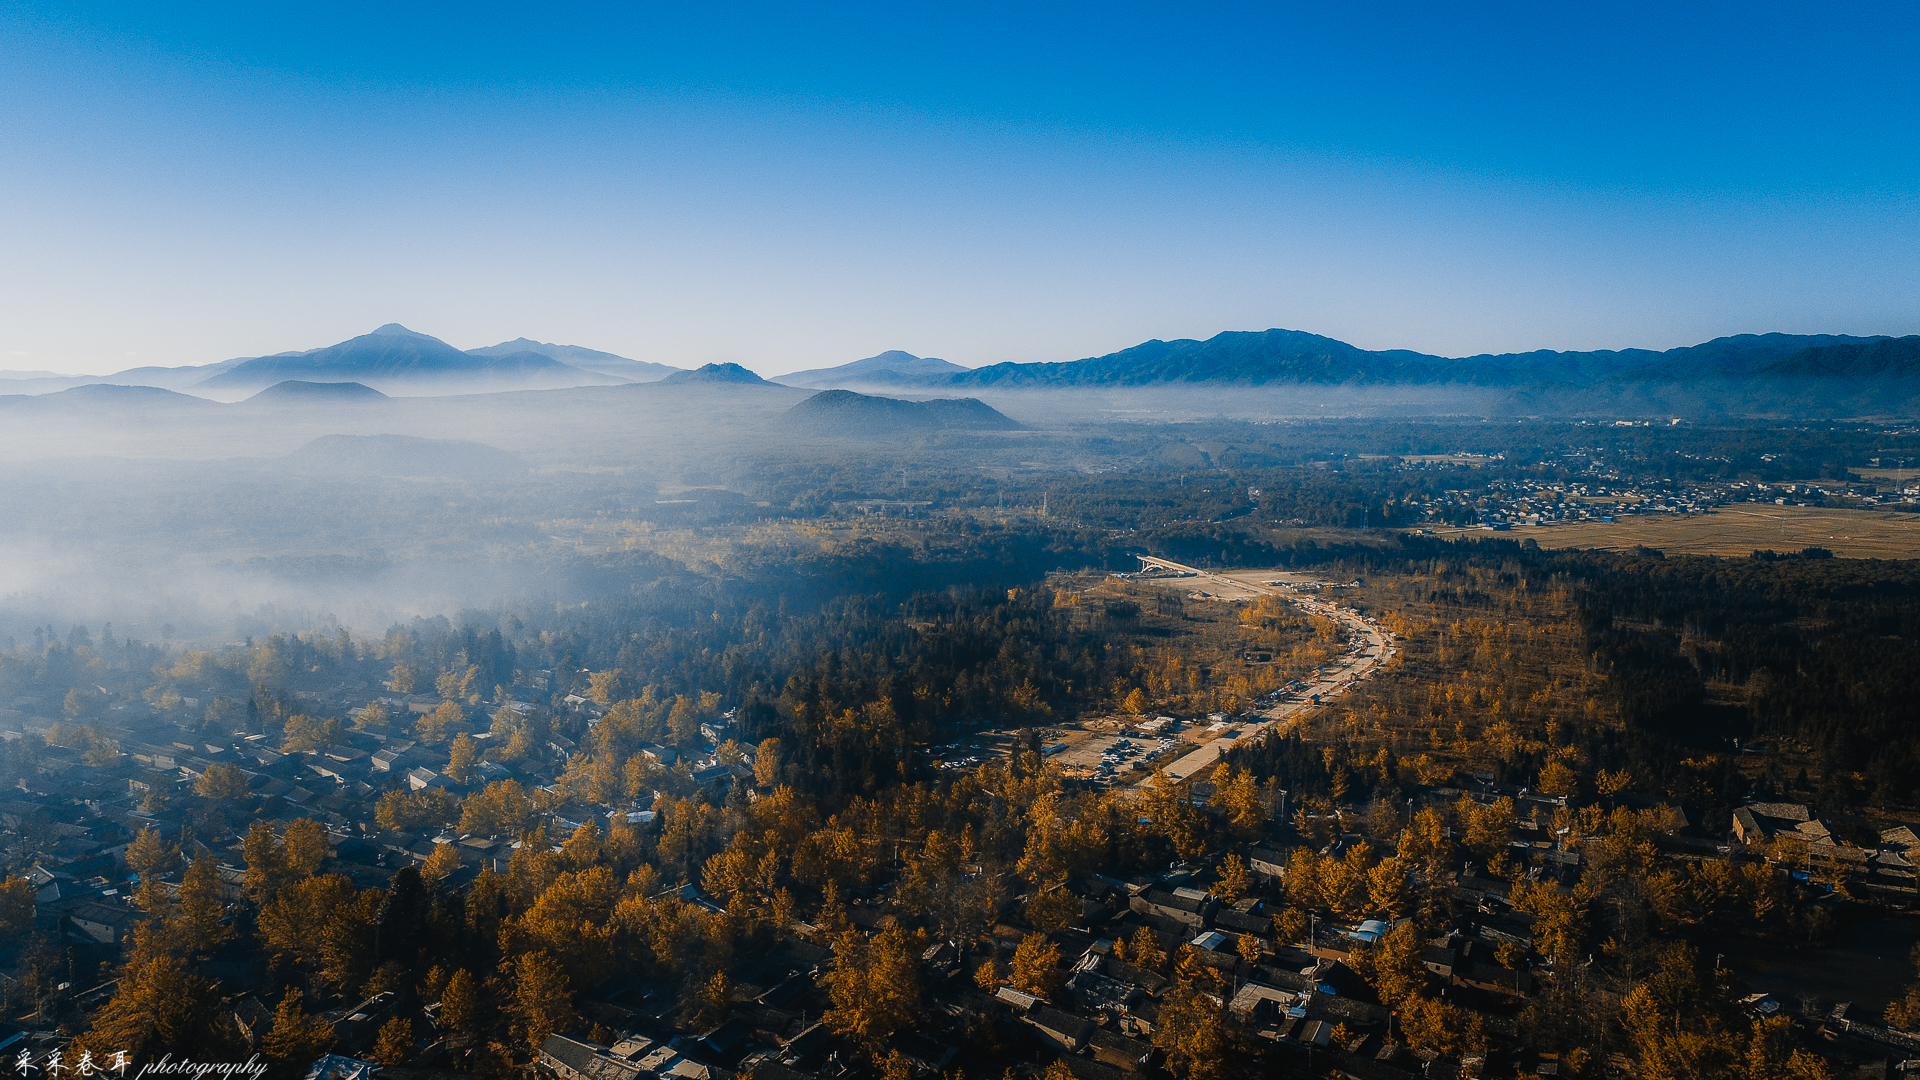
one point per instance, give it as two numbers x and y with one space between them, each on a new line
845 413
1292 356
1882 358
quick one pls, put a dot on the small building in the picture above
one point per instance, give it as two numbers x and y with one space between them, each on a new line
103 923
1257 1002
1755 822
336 1067
1019 999
1120 1051
1061 1030
1190 907
572 1059
421 778
662 755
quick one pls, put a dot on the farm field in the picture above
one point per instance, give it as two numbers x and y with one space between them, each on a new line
1736 530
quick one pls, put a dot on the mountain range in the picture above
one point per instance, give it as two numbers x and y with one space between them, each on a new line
1745 373
392 359
1260 358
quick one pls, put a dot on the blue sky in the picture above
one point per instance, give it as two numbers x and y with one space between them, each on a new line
791 186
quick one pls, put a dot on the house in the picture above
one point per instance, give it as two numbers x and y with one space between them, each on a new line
1019 999
1495 979
1266 864
1755 822
1149 981
1099 993
1120 1051
1441 957
571 1059
1241 922
362 1022
336 1067
1061 1030
1190 907
663 755
419 779
1257 1001
398 753
103 923
252 1019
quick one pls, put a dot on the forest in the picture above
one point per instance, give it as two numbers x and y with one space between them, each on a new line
768 774
1616 702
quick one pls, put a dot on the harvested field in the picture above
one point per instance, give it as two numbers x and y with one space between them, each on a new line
1736 530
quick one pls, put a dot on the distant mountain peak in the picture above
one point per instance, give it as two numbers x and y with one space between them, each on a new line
717 373
892 366
394 329
605 363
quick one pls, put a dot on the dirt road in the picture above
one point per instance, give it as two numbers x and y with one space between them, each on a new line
1372 647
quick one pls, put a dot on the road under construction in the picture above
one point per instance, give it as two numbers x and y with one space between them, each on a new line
1372 646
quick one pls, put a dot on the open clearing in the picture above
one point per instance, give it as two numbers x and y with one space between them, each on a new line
1735 530
1371 646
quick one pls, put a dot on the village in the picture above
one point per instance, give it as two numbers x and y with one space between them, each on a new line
1296 995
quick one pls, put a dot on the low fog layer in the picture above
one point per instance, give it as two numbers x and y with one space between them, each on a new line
324 498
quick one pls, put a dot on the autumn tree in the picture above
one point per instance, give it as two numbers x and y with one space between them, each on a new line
874 984
306 733
767 763
403 679
394 1046
460 1003
266 859
1238 799
1053 908
296 1038
1233 880
1172 815
1190 1028
375 715
17 896
150 856
306 848
442 863
1143 951
1036 966
503 808
1425 844
221 782
293 925
462 758
411 811
158 1008
542 1000
432 727
201 907
987 975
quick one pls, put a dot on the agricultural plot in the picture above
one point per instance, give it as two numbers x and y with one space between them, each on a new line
1736 530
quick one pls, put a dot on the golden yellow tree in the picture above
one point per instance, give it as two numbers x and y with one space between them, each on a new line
1036 966
542 999
874 985
306 848
1234 879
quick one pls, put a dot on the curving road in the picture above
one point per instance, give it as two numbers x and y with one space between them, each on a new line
1374 648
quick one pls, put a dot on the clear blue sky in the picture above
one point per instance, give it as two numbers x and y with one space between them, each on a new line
790 186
